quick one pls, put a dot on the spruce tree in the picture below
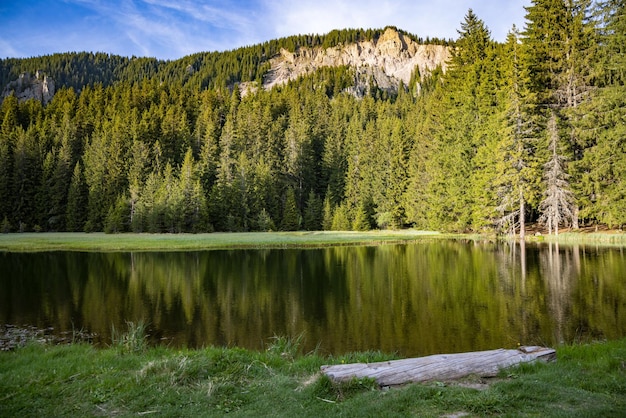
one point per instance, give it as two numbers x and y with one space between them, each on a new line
557 43
61 179
222 199
334 163
117 218
242 193
313 212
340 221
9 113
206 135
398 146
601 127
137 174
327 219
361 219
465 107
425 121
291 214
299 155
76 201
192 207
517 166
26 177
168 202
557 207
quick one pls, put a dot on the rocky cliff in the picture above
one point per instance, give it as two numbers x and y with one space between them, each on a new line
382 63
39 87
390 59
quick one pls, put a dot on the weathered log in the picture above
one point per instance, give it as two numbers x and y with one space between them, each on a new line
439 367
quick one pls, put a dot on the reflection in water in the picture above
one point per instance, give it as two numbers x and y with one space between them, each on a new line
415 299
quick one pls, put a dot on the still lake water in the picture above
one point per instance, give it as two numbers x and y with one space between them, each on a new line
411 299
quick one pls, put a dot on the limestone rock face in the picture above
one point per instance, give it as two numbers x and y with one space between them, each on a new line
389 60
39 87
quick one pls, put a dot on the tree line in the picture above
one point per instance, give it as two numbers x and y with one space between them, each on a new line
216 70
531 129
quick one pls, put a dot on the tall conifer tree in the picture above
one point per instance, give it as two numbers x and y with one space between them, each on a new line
76 201
465 108
557 43
25 179
603 183
517 165
557 207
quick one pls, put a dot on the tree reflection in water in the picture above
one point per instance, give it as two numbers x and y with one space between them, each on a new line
413 299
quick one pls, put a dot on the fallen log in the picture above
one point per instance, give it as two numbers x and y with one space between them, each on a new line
439 367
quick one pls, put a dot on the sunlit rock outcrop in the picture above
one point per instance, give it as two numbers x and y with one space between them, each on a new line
39 87
391 59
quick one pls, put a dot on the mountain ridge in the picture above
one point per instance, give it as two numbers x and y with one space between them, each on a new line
395 55
385 57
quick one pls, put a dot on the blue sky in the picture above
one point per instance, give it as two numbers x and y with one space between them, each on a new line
171 29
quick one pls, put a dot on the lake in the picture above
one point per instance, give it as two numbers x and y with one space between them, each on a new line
432 296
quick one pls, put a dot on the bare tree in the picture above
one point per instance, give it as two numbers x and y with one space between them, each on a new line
558 206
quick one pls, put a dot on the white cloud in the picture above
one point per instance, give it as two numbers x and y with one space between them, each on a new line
423 18
321 16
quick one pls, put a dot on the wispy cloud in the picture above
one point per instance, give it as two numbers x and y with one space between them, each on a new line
424 18
133 28
215 13
219 24
184 27
8 50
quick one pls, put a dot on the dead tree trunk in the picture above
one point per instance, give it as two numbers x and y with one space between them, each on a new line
438 367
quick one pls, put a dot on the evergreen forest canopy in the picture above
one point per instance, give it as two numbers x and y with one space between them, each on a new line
532 129
213 70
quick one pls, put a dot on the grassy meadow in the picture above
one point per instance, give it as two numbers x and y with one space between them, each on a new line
131 379
78 241
220 240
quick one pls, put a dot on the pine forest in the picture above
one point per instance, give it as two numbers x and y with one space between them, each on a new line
531 130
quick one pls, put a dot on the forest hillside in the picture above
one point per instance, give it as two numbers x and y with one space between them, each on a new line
355 129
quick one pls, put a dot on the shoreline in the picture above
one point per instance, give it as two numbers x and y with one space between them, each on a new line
80 241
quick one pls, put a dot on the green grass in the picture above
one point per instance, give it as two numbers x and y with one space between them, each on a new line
153 242
80 380
612 238
77 241
134 339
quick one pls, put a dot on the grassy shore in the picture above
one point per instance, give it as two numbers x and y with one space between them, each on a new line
133 380
608 238
78 241
154 242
